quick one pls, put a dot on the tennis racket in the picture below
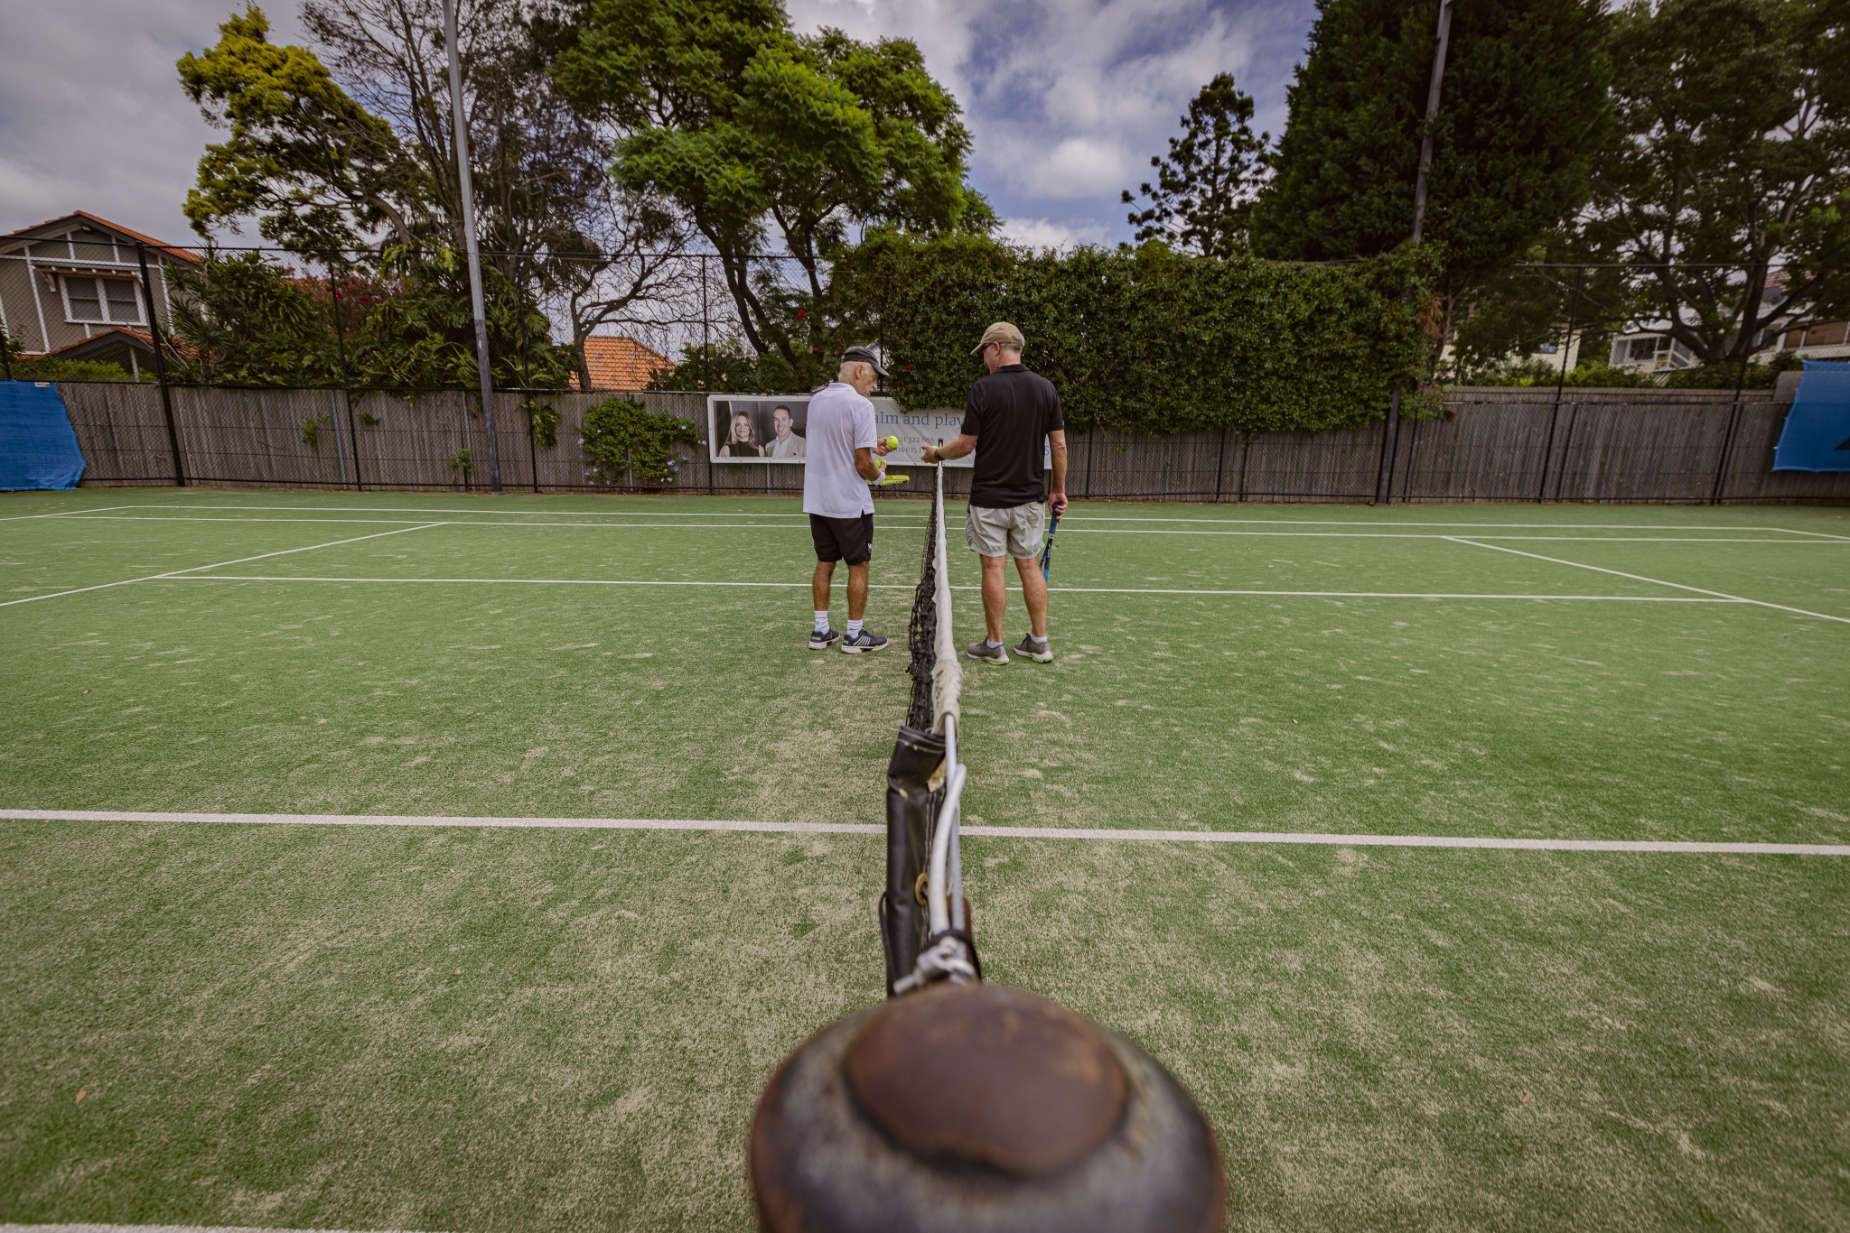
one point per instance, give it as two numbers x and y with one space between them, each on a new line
1053 525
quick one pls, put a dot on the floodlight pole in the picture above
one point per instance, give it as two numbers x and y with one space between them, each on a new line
1390 432
475 260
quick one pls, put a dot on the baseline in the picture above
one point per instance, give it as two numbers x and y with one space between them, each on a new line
1339 522
1825 542
906 586
1093 834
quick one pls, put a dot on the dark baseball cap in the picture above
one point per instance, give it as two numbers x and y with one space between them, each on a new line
864 355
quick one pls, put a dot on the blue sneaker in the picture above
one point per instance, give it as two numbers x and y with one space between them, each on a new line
866 640
820 639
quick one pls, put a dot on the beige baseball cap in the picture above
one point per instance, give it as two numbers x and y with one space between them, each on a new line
1001 332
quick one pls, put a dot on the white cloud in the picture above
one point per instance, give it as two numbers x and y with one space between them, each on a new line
1050 233
91 113
1066 99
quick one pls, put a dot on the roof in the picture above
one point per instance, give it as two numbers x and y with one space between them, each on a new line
123 333
621 363
99 221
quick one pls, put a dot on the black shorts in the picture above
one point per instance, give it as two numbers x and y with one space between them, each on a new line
843 539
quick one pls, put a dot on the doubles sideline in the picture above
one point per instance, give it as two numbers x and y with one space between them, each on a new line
1070 834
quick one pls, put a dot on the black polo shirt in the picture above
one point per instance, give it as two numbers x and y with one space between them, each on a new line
1010 412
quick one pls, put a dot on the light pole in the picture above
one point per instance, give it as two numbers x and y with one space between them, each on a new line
461 128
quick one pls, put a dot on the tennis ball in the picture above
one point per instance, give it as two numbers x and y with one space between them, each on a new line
892 443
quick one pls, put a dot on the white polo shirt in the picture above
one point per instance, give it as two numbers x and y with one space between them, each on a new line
840 422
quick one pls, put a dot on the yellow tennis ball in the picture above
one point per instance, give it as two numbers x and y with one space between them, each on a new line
892 443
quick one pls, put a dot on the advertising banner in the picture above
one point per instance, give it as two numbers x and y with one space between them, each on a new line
771 428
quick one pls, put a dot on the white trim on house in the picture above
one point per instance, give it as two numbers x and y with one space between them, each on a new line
38 301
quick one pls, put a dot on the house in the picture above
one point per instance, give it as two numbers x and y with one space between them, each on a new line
1827 340
1651 349
621 365
70 287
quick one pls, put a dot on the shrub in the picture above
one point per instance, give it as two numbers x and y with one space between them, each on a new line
624 439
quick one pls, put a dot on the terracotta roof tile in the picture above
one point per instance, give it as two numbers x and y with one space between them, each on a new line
621 364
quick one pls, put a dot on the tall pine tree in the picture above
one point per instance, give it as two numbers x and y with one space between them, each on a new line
1523 111
1202 198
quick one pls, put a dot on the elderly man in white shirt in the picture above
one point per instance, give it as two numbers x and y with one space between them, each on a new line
837 470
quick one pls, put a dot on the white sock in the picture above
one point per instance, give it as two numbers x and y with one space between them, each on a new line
990 644
854 627
822 618
1035 638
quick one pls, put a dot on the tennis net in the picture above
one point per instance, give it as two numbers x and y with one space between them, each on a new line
924 918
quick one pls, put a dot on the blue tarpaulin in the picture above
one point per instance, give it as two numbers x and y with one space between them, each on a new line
37 447
1817 432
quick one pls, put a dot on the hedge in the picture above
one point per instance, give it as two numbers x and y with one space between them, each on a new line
1150 340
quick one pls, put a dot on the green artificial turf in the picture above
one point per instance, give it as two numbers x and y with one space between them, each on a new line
487 1030
376 1028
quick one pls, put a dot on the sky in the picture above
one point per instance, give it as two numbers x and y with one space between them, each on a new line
1066 99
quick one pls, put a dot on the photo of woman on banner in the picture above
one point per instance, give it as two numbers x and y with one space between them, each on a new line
742 441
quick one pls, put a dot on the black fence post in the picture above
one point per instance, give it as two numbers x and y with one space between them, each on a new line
1413 449
1390 432
1554 413
1734 419
533 451
1220 468
160 362
346 378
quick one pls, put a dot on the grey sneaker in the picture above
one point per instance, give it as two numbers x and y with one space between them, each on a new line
980 649
1037 650
866 640
822 639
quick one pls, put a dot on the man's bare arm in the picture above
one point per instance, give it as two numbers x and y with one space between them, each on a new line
1057 497
964 444
864 464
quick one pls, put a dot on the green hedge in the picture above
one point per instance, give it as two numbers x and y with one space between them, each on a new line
1150 340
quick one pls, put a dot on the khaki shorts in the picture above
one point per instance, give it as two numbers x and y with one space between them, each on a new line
1013 532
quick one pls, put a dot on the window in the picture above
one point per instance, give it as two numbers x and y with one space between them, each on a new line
1547 348
91 300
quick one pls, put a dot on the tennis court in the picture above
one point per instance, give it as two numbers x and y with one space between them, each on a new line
1257 816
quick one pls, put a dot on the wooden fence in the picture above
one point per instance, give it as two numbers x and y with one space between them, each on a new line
1488 444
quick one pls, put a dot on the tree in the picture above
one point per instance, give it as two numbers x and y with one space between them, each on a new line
1733 151
246 319
1203 196
334 157
1522 112
746 126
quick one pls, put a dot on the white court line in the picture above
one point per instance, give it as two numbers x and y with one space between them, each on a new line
1336 522
1619 573
1844 539
1094 834
178 573
799 527
906 586
64 514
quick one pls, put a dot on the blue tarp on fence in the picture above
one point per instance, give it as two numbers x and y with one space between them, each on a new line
1817 432
37 447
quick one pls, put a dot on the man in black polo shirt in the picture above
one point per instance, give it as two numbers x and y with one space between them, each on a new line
1009 418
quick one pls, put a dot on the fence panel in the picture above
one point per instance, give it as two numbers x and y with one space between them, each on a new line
1489 444
122 431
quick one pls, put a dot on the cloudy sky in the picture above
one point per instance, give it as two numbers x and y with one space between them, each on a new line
1067 99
